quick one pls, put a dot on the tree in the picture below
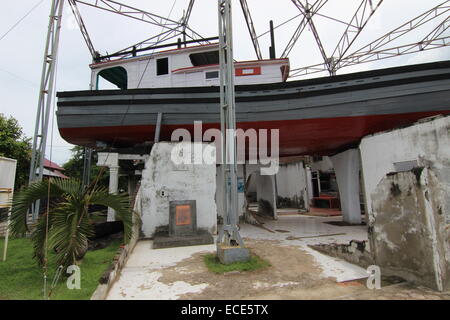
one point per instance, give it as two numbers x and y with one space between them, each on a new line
15 145
67 226
74 167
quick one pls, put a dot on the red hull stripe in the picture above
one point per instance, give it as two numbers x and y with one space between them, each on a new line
297 137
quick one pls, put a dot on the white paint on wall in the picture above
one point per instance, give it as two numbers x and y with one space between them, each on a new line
164 181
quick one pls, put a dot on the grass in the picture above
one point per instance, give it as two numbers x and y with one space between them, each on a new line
214 265
22 279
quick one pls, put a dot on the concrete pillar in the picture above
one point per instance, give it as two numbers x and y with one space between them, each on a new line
291 184
265 186
113 187
110 160
131 185
346 167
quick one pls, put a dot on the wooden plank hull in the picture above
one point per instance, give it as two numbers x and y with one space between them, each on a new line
318 116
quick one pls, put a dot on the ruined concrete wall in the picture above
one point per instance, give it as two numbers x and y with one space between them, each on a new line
292 186
408 232
164 181
426 143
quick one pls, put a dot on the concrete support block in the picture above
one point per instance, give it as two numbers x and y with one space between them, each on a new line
229 255
165 180
346 166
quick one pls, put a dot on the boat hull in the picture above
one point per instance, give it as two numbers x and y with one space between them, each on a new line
320 116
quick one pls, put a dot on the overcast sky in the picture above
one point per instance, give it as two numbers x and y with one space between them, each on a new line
22 49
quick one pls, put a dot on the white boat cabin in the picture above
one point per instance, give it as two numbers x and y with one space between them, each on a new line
196 66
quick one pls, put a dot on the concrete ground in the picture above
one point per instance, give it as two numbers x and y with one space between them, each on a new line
296 271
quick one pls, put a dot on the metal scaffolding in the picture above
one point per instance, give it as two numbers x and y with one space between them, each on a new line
251 28
46 93
309 11
170 28
229 234
375 50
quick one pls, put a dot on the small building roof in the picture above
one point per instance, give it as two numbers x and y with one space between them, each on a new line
52 165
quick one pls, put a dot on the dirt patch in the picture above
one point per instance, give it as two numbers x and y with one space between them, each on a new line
293 274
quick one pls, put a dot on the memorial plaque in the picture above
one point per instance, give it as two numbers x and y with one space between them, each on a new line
182 218
183 215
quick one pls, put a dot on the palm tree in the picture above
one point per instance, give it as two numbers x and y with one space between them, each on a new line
66 225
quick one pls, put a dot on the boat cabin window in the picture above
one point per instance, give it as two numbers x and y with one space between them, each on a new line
211 75
116 76
162 66
204 58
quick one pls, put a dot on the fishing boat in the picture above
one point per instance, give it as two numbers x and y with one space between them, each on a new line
318 116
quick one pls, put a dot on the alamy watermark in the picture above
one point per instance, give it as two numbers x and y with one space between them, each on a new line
263 147
374 279
74 280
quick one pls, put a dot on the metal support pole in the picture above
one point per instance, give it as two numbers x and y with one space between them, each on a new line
45 96
229 234
158 127
87 166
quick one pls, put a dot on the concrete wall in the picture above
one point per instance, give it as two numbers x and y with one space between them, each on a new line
265 187
292 184
408 233
164 181
428 143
